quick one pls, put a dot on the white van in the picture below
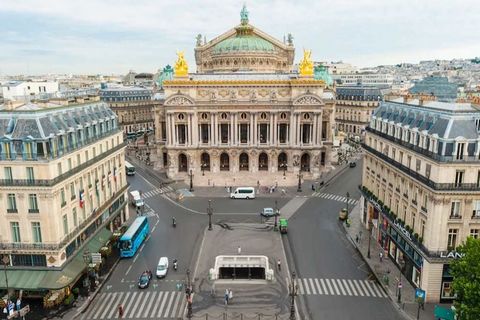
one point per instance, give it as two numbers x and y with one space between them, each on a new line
243 193
162 267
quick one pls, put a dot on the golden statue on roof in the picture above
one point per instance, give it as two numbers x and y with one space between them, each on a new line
181 65
306 64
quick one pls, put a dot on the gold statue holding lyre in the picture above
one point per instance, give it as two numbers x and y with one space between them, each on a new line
306 64
181 65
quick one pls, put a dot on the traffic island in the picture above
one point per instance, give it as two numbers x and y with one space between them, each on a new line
242 259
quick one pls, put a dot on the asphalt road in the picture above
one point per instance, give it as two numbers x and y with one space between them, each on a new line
162 300
334 281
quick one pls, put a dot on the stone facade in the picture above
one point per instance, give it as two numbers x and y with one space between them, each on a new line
227 120
62 180
421 175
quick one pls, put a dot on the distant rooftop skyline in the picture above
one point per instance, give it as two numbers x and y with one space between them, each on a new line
108 36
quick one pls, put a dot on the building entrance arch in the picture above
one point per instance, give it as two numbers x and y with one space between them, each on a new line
224 162
182 163
305 162
205 161
243 163
263 162
282 161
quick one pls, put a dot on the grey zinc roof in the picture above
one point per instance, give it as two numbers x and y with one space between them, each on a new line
42 123
463 128
447 120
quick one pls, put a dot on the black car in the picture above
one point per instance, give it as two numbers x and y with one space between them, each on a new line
144 280
352 164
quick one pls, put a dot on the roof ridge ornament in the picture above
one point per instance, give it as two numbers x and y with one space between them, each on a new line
181 66
306 64
244 15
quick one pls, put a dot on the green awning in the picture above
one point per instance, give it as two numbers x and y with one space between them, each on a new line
54 279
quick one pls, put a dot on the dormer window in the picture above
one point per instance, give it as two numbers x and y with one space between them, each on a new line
460 150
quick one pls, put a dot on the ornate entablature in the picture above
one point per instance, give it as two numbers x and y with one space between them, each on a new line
308 100
244 48
178 100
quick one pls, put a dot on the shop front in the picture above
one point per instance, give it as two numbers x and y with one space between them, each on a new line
401 250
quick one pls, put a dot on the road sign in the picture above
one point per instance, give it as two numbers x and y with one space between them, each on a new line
420 295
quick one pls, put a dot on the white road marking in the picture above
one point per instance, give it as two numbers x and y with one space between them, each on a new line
314 290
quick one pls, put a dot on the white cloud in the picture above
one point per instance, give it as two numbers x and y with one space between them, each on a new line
364 32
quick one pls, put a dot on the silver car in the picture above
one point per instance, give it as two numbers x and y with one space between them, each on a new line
268 212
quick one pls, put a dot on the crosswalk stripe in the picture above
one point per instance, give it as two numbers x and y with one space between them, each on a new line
139 313
380 289
135 305
147 309
300 286
159 313
374 287
109 304
324 287
330 289
352 286
156 305
358 287
181 310
345 284
127 307
330 196
122 301
341 287
367 284
314 291
103 301
364 289
307 288
175 306
335 286
317 284
167 309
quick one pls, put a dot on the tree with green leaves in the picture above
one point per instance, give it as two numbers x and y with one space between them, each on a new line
466 280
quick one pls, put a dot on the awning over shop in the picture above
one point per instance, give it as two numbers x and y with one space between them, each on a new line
54 279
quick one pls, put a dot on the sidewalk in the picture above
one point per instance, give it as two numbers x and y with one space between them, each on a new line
386 268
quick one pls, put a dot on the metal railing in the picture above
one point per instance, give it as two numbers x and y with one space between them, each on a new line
423 179
422 151
66 175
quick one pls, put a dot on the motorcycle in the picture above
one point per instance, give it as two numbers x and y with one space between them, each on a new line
174 222
175 264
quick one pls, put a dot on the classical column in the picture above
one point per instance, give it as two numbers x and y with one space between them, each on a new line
292 130
271 130
250 138
195 130
231 134
255 129
211 140
189 129
314 134
311 134
299 128
275 129
320 125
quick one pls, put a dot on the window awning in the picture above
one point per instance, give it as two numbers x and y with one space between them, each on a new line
54 279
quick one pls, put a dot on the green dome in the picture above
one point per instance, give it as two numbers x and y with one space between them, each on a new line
242 43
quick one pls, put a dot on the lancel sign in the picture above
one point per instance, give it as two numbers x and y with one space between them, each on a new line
451 254
404 231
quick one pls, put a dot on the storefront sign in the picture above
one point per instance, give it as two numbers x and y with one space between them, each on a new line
451 254
404 231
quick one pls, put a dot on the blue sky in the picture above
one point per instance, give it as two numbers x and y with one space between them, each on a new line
114 36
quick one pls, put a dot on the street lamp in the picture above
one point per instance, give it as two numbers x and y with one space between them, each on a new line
191 180
348 197
277 212
203 166
293 289
6 261
299 188
188 293
87 259
209 212
401 264
370 225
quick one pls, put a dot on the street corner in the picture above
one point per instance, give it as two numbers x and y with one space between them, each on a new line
247 260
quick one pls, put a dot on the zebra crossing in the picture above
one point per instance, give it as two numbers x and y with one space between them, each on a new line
334 197
138 305
156 191
339 287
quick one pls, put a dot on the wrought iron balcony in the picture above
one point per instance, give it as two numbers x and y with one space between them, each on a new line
33 210
66 175
422 151
417 176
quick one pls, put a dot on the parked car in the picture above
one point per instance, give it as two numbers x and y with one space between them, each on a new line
352 164
144 280
268 212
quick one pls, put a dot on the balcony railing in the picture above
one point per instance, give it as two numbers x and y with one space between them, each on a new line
72 235
12 210
33 211
66 175
455 217
423 179
422 151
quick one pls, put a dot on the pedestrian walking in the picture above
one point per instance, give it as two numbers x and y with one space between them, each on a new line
230 295
239 250
226 296
120 311
381 256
